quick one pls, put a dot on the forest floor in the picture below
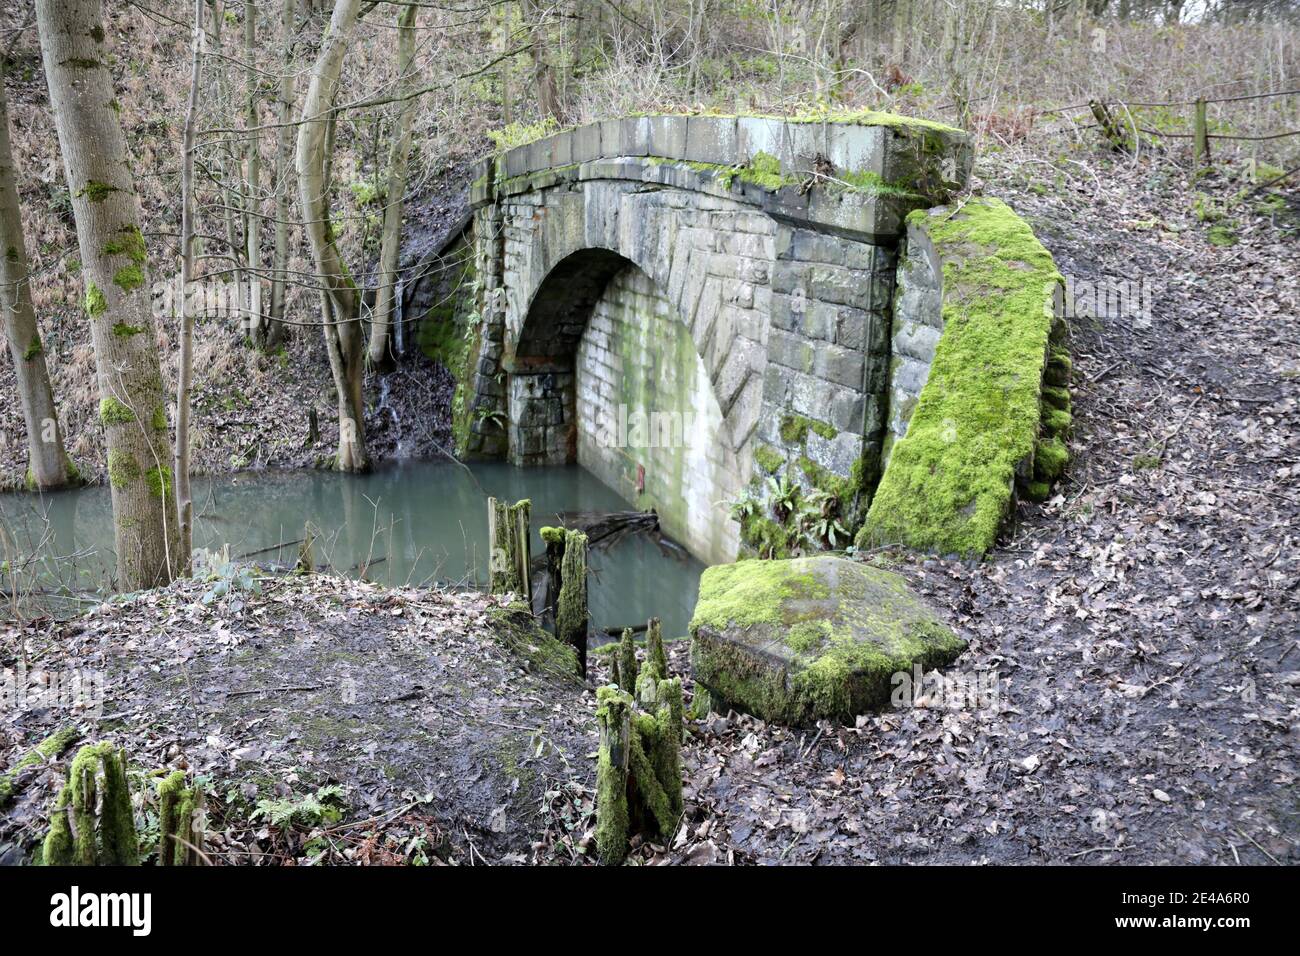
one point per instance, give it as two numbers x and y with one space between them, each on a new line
1143 624
333 721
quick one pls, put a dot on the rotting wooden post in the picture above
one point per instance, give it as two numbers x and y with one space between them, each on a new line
1200 138
571 605
510 553
639 764
614 719
655 658
179 834
306 563
627 667
86 830
520 514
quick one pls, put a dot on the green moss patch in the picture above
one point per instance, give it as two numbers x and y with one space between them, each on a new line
44 752
122 468
96 304
160 481
114 412
950 480
129 243
800 640
768 458
94 190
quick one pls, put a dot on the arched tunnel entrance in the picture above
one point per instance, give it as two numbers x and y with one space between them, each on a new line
607 375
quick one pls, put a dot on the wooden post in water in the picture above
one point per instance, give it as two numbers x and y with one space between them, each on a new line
566 558
510 552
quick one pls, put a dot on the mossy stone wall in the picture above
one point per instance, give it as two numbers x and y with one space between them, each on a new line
771 242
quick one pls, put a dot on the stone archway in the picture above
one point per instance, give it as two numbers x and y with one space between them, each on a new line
778 279
606 374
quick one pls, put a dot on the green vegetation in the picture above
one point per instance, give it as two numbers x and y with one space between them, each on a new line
1223 235
521 134
159 480
47 750
122 468
130 243
96 304
768 458
98 799
94 190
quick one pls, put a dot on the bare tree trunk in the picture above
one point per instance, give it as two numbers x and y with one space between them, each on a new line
231 184
398 158
548 98
47 463
107 210
283 173
506 109
184 379
253 181
341 322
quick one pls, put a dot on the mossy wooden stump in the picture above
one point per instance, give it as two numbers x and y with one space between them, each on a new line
180 828
46 750
92 823
639 764
566 563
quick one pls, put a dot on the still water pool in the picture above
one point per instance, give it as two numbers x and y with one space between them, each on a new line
415 522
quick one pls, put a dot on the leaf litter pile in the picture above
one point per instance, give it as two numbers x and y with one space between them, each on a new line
1141 627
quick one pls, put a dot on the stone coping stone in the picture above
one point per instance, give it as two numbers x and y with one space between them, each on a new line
931 159
813 638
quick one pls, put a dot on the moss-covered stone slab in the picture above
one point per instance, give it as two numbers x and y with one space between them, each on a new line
978 423
804 639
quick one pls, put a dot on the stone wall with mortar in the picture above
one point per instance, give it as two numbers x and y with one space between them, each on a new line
770 243
649 425
917 325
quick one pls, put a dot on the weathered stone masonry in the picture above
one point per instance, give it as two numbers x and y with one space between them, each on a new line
771 242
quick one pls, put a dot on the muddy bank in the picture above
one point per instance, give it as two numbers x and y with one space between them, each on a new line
430 726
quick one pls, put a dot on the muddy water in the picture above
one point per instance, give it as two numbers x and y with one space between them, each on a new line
412 523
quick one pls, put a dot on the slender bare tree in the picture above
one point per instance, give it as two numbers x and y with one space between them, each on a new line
47 463
399 155
283 173
341 320
548 96
253 180
98 169
185 377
